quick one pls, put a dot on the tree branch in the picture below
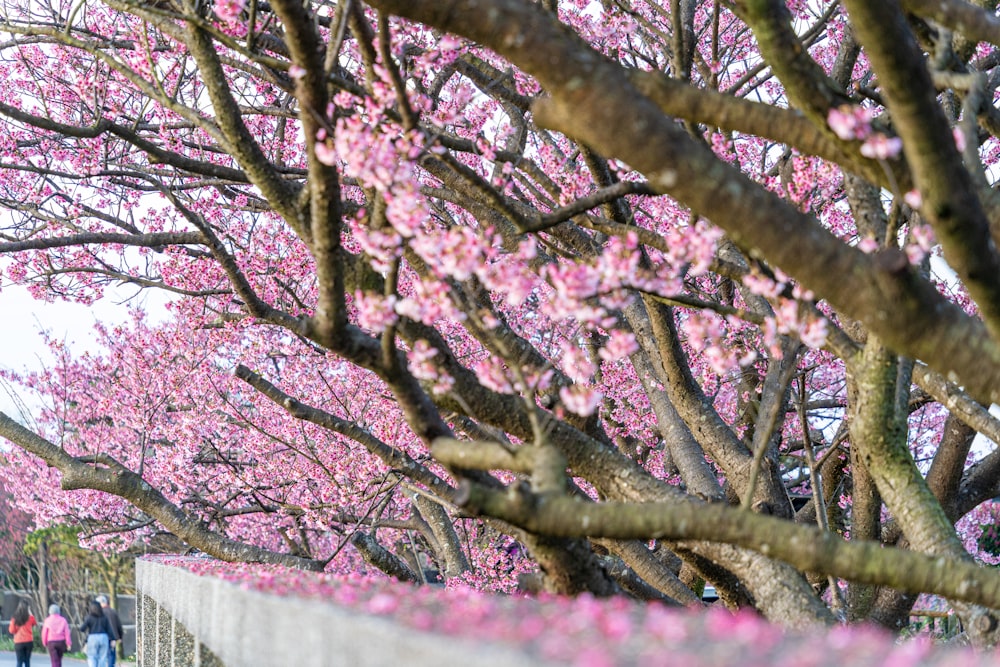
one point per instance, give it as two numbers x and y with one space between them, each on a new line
950 202
97 238
808 549
593 102
123 483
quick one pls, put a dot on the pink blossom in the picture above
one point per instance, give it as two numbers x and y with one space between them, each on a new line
850 122
576 363
923 235
762 285
722 360
574 281
959 136
914 254
580 400
801 293
422 365
528 249
704 329
814 333
841 122
406 208
229 10
296 71
324 153
449 43
422 352
881 147
492 375
457 253
913 199
537 382
786 314
868 245
382 246
620 345
701 246
375 312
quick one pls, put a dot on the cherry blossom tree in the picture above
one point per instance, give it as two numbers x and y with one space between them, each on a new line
14 528
616 296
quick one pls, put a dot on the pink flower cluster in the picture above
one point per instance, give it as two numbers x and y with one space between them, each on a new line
619 345
580 399
423 368
229 10
706 334
575 361
923 242
789 320
789 317
380 157
375 312
854 122
850 122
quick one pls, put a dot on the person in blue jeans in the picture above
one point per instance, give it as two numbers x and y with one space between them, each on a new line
116 625
99 636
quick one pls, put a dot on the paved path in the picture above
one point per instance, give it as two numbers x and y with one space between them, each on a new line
42 660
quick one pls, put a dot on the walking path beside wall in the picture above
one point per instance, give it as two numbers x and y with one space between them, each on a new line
72 604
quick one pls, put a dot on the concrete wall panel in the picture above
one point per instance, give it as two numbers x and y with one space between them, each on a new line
243 628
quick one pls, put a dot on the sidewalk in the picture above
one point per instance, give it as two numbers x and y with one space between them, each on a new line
42 660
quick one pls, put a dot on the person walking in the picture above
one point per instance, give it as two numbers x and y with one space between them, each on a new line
22 627
99 635
116 625
56 636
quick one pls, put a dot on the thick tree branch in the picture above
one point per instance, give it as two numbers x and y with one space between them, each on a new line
682 100
977 24
123 483
950 202
377 555
590 96
323 223
807 548
239 142
806 84
155 240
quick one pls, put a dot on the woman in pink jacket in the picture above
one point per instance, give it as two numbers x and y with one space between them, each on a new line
56 636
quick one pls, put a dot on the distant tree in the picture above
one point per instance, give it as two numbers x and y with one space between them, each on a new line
14 527
70 575
632 295
50 565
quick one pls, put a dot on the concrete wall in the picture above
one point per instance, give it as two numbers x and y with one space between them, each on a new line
187 620
190 621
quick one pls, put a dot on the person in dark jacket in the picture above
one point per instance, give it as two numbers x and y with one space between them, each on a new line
116 625
99 635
